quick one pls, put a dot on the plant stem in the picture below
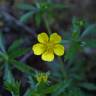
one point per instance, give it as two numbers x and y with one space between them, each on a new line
47 25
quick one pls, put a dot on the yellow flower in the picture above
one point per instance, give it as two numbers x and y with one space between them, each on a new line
47 47
42 77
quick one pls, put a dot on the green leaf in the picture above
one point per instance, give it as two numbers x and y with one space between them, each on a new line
38 19
14 88
75 92
88 86
75 26
72 50
57 89
90 43
48 6
62 88
4 56
53 88
91 29
17 53
9 81
8 77
22 67
15 45
25 7
2 42
26 17
32 92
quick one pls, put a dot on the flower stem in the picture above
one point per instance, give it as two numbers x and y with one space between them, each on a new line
47 25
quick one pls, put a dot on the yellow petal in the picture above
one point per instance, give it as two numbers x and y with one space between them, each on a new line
48 56
55 38
38 49
43 38
59 49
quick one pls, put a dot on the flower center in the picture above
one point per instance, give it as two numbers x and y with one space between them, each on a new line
50 45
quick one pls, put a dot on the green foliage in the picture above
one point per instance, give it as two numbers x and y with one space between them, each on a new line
39 9
26 17
14 88
22 67
88 86
67 74
91 29
26 7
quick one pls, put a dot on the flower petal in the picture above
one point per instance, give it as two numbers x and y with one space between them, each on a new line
55 38
43 38
48 56
38 49
59 49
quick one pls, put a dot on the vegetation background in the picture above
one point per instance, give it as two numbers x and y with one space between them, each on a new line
73 74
